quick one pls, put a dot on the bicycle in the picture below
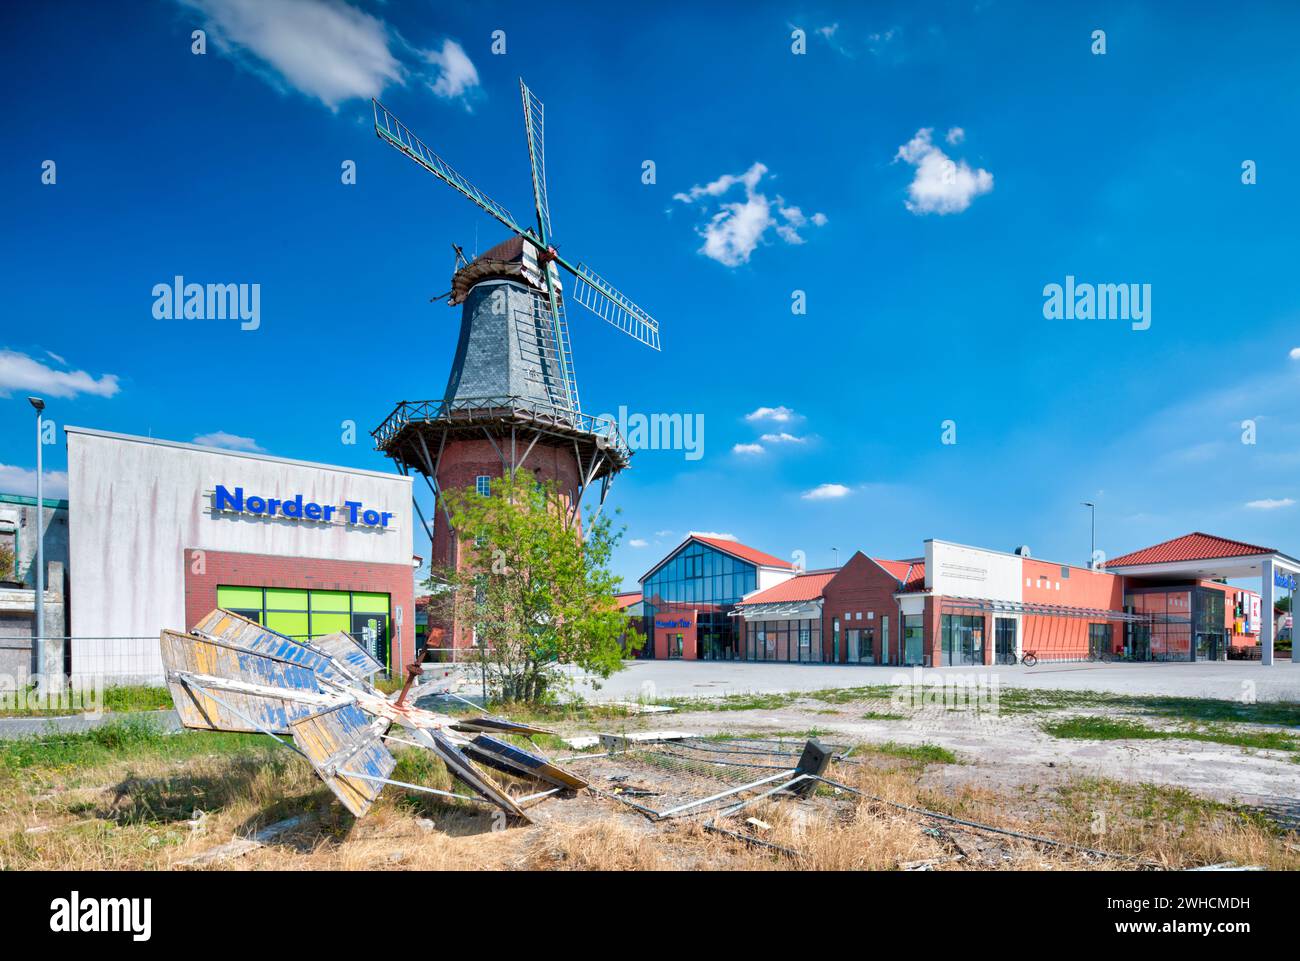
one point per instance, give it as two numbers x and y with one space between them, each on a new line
1029 658
1106 657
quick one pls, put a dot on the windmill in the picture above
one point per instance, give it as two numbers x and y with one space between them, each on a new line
512 393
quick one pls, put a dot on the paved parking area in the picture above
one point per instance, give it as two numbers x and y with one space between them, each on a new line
1230 680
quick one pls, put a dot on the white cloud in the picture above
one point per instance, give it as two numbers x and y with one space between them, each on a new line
20 480
735 228
826 492
220 438
662 533
940 185
749 449
1295 353
456 72
638 542
783 438
23 373
1270 503
781 415
322 48
714 534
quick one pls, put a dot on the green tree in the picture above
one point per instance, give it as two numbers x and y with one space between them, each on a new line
6 563
538 594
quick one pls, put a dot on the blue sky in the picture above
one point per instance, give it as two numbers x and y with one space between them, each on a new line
825 172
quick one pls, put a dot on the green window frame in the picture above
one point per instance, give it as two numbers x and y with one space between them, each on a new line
302 612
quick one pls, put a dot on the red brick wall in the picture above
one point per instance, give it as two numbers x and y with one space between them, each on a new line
465 460
690 635
222 568
861 586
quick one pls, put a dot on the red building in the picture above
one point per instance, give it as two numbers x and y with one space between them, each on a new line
959 605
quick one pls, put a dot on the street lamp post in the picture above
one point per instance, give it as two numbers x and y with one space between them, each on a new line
38 646
1092 551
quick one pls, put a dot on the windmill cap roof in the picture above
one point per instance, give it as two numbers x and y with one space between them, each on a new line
505 260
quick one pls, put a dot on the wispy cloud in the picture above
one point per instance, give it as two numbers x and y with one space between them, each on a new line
457 75
1270 503
749 449
735 228
20 480
716 535
940 185
782 438
23 373
220 438
638 542
826 492
780 415
324 49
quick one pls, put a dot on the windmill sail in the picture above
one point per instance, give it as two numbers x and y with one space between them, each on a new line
535 131
400 136
232 674
607 303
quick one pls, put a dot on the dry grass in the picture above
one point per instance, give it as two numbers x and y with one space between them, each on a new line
143 812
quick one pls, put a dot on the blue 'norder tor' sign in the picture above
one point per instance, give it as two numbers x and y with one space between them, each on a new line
296 508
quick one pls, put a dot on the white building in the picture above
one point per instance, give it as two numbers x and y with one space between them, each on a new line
162 532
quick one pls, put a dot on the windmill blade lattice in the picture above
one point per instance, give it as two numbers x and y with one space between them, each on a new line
233 674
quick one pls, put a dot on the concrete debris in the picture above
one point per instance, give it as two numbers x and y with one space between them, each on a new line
238 847
635 707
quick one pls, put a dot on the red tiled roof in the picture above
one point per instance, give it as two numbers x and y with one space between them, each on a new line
801 587
627 600
896 569
1189 547
736 549
909 574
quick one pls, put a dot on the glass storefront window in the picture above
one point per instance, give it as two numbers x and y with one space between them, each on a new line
305 614
798 640
962 639
701 578
913 639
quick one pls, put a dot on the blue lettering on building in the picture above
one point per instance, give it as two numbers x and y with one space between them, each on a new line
673 624
1284 580
297 508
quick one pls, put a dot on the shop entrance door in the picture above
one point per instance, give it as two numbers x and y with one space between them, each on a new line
1209 647
853 641
1004 639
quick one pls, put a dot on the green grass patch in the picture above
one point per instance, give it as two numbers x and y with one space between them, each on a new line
882 716
921 753
1126 729
1152 803
120 739
1186 709
733 702
125 699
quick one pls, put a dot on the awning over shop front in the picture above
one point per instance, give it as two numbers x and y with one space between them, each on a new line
988 606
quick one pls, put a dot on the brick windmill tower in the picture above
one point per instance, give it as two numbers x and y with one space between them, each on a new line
512 399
